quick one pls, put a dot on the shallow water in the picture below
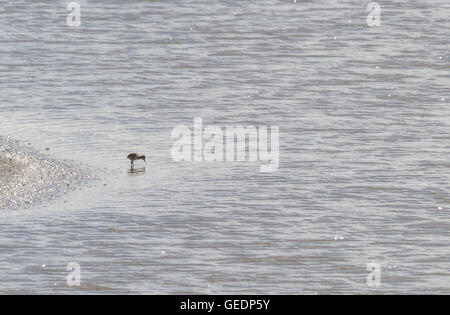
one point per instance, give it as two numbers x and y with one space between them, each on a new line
364 129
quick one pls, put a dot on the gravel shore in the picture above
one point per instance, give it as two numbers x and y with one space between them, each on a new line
12 183
9 168
26 177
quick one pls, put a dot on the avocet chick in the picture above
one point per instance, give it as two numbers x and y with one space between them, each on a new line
134 157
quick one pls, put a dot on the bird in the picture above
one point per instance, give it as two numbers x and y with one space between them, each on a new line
134 157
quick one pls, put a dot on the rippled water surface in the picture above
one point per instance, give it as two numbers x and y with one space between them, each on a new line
364 146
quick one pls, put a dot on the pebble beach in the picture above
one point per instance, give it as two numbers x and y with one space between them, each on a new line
27 178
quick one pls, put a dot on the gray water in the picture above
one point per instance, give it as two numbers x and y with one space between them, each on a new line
364 155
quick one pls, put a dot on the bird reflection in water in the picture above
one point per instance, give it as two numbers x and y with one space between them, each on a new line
136 171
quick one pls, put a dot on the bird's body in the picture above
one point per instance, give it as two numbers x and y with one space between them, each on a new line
134 157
